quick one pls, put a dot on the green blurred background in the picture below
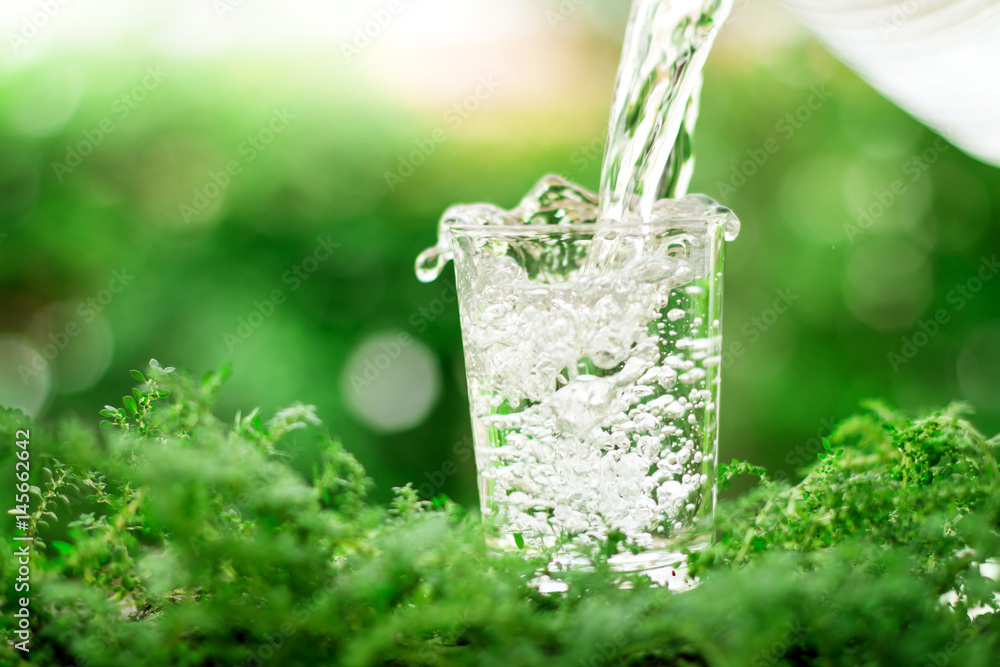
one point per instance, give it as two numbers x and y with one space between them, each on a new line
229 161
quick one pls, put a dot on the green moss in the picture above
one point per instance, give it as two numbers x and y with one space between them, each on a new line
177 539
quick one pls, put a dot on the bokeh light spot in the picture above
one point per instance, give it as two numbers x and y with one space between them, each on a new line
78 346
25 377
50 98
391 382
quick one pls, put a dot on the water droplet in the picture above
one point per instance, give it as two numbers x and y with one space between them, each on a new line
431 263
732 227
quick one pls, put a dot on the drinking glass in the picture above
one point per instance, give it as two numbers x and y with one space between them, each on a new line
593 358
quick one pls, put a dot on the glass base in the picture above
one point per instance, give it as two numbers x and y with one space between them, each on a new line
665 567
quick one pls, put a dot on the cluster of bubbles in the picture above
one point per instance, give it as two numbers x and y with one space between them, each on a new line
591 362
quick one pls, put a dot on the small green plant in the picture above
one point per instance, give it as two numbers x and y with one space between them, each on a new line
177 539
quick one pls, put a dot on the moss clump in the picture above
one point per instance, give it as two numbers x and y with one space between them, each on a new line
178 539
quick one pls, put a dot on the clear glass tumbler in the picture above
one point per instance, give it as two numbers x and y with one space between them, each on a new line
593 358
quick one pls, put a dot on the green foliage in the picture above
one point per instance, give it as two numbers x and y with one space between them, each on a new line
180 539
931 486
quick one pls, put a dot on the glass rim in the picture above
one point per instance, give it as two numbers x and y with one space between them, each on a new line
593 228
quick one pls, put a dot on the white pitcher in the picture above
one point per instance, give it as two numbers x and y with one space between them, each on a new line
937 59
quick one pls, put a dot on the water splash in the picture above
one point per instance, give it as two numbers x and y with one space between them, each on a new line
553 201
649 154
557 201
655 106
